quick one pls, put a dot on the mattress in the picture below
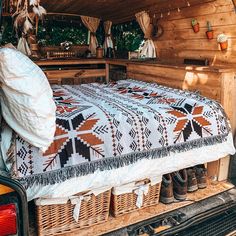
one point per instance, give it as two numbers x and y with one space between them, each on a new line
109 135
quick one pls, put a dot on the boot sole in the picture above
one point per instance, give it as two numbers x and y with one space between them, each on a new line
193 188
167 200
201 186
180 196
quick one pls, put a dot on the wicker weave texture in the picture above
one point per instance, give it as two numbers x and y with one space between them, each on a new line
125 203
58 219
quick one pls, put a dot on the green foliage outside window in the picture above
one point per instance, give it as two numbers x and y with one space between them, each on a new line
7 34
54 33
127 36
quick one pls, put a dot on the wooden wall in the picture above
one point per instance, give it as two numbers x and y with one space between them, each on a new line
179 41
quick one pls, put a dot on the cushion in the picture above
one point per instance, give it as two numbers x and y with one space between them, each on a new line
26 98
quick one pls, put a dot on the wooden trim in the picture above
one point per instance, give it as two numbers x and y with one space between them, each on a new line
69 62
228 101
62 14
107 72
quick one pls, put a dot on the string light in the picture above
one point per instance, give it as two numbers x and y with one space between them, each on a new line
178 9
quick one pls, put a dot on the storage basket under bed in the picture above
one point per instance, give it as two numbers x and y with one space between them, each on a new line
126 203
58 219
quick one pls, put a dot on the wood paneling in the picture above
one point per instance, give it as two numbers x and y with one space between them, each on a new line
179 41
56 76
114 10
208 83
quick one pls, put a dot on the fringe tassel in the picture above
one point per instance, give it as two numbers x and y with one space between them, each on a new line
11 155
58 176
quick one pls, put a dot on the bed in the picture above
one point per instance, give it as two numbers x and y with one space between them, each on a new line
111 134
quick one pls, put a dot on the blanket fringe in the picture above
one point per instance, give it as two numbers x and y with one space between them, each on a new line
58 176
11 155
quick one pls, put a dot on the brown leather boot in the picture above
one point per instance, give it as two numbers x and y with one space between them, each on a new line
180 184
167 195
201 174
192 180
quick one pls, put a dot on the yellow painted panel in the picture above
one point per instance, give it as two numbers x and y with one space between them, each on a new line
5 189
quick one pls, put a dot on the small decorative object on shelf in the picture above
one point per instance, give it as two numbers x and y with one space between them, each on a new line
222 39
99 52
133 55
60 54
210 32
195 25
110 53
66 45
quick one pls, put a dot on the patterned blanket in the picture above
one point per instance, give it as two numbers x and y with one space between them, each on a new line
109 126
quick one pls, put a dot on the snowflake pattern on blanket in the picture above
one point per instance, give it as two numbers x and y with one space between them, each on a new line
108 126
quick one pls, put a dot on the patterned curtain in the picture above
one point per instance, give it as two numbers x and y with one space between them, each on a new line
148 50
92 24
108 40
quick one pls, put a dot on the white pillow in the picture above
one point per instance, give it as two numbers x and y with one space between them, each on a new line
26 99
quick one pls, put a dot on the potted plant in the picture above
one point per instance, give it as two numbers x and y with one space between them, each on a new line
209 32
222 39
195 25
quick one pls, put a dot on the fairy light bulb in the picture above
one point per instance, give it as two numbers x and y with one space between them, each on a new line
168 13
178 9
161 15
188 4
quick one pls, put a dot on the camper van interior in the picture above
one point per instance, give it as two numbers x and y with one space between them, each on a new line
118 117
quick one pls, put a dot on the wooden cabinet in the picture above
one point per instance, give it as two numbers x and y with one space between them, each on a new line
73 71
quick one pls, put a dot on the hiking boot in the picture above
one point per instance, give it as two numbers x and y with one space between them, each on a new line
180 184
192 180
167 195
201 175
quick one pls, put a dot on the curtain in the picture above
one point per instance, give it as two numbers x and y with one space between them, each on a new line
91 24
23 46
108 40
148 49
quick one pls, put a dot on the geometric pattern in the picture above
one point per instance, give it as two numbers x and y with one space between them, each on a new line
97 121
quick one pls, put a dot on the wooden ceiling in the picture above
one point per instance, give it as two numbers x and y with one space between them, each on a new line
115 10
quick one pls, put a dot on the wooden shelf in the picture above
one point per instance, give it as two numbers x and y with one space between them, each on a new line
63 62
150 212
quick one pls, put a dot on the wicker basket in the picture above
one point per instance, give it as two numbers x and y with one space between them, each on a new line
58 219
126 203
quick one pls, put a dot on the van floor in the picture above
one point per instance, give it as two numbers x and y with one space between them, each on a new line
139 216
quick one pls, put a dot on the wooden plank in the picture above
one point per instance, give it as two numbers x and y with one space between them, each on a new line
213 170
228 97
107 72
223 171
149 212
188 34
228 100
208 91
122 11
82 73
69 62
206 8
